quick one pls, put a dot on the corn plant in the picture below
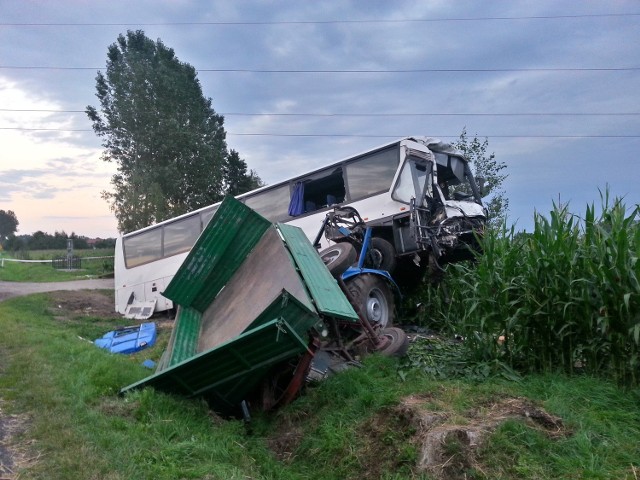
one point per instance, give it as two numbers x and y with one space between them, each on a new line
564 297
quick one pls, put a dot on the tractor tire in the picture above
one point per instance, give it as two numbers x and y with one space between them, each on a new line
339 257
373 298
398 342
381 255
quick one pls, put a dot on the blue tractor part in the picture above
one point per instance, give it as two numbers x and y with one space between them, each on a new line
128 340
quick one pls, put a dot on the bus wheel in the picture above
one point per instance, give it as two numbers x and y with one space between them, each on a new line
339 257
396 344
372 296
381 255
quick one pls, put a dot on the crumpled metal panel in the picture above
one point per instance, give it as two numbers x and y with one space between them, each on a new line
227 373
219 251
186 331
327 295
249 295
266 271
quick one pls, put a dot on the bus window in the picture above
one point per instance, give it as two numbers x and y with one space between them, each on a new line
450 169
207 214
373 173
180 236
411 182
317 191
143 248
272 204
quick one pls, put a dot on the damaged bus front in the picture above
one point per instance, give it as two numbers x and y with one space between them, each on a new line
446 215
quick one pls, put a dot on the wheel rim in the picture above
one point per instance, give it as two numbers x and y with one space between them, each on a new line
375 256
377 308
330 256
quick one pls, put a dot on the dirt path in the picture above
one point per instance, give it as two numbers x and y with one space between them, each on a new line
15 289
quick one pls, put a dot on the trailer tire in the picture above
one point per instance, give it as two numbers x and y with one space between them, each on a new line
373 298
339 257
398 342
381 255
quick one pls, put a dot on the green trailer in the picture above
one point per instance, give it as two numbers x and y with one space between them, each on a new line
255 304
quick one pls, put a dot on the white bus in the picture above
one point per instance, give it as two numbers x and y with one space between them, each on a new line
401 189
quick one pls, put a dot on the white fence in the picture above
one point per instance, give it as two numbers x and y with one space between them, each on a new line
43 261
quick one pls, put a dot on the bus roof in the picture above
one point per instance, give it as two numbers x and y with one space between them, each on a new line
431 143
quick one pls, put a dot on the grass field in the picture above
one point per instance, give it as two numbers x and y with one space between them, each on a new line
44 272
365 423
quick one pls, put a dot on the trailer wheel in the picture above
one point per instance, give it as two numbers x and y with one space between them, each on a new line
373 297
339 257
397 342
381 255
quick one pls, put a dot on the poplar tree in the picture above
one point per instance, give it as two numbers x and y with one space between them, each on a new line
168 142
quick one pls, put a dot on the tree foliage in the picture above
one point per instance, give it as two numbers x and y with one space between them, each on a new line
486 167
166 138
8 224
236 178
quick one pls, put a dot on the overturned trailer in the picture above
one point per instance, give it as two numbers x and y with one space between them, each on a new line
256 307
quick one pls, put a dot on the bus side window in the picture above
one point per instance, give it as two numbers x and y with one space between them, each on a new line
317 191
207 214
180 236
143 247
272 204
372 173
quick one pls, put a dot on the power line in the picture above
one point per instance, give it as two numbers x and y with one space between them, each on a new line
407 114
318 22
337 135
317 71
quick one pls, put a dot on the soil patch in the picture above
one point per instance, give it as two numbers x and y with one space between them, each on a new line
448 445
15 454
445 443
94 303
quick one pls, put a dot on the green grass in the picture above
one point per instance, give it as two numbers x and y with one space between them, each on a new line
44 272
348 427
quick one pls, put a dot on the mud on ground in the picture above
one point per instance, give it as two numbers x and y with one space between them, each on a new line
95 303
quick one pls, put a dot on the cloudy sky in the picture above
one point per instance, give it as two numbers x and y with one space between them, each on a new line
554 86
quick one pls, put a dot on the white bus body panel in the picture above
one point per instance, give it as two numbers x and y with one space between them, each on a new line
146 282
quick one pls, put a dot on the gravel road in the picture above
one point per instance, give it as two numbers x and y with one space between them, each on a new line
15 289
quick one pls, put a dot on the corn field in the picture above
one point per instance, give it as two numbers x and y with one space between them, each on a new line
565 297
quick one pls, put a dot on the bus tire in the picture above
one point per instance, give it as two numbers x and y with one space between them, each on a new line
373 298
397 342
339 257
382 255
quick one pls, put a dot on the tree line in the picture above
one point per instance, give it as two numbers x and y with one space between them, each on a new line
58 241
43 241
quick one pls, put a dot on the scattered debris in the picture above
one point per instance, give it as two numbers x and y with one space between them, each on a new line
256 303
129 339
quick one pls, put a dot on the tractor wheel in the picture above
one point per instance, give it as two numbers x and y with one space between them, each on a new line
339 257
381 255
372 296
397 342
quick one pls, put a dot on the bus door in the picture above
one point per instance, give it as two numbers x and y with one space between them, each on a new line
414 187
